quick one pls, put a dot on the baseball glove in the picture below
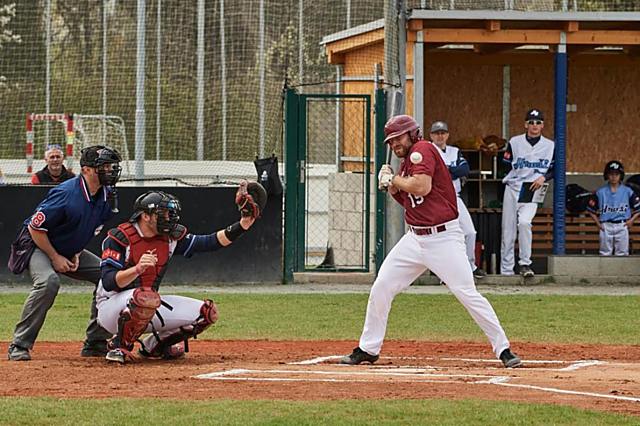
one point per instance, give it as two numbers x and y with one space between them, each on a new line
251 198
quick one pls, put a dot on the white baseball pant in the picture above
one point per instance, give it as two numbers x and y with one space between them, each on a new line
184 311
469 231
614 239
444 254
516 219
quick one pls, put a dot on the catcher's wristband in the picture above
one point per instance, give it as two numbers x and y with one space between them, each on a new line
234 231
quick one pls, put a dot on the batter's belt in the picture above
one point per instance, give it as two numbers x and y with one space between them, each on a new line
420 230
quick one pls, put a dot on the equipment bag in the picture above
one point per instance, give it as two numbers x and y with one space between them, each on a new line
21 250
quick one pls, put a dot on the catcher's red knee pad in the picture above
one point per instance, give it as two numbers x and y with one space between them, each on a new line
209 312
145 297
140 311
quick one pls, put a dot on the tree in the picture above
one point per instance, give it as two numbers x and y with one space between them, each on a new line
7 12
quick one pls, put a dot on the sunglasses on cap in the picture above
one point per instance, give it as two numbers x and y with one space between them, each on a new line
537 122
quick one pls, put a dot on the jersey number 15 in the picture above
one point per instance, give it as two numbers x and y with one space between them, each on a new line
416 200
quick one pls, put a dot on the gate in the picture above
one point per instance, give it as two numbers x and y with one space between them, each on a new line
329 183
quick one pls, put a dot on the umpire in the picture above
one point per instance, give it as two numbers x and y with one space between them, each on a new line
52 241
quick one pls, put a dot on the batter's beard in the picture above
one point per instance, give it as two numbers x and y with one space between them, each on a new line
401 155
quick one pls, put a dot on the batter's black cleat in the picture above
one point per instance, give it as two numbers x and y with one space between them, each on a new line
358 356
526 271
479 273
94 349
18 353
509 359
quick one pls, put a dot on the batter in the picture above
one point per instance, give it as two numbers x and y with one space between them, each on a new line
435 241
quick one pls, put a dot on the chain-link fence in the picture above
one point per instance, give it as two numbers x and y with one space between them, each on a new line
197 84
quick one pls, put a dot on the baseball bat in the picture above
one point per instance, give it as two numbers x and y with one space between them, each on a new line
388 163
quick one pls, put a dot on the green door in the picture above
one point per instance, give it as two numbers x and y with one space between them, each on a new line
329 181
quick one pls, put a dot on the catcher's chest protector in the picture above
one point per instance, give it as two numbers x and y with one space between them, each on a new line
158 245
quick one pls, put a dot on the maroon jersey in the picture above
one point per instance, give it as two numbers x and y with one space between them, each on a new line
439 205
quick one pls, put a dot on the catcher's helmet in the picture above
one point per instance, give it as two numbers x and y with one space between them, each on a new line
613 166
98 156
166 206
399 125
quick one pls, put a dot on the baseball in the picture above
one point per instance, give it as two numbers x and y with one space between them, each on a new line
415 157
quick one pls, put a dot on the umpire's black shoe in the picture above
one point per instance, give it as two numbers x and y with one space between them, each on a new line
526 271
509 359
18 353
358 356
479 273
94 349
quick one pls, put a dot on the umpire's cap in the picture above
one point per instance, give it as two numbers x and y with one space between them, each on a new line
97 155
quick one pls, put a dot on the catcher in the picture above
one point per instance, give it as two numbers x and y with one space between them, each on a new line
135 256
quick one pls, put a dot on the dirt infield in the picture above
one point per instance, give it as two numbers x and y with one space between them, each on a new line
604 378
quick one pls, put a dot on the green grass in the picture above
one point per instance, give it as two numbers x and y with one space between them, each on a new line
560 319
46 411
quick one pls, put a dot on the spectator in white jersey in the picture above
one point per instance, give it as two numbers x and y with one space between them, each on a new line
615 210
458 168
530 158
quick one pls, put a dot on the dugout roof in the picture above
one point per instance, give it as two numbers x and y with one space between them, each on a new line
492 31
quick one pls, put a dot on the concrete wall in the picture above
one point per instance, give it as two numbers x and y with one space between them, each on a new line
347 212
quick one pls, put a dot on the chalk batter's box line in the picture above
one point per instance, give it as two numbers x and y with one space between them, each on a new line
413 374
417 377
572 365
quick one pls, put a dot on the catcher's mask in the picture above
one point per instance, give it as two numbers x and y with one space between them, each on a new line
399 125
98 157
613 166
165 206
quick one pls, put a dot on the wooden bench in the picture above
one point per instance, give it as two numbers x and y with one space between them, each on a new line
582 236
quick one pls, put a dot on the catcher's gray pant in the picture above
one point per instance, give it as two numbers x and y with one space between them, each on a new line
516 219
469 231
46 284
444 254
180 312
614 239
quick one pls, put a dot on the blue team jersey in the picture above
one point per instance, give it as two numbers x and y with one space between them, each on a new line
616 206
71 216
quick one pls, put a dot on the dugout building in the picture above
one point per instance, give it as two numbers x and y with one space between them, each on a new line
480 71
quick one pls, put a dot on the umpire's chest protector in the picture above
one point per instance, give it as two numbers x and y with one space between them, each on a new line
158 245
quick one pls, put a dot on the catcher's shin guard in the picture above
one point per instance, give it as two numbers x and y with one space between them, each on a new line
135 318
208 315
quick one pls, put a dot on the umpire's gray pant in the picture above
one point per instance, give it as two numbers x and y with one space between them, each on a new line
46 284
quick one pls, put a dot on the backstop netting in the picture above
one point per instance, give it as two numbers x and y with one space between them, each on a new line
198 84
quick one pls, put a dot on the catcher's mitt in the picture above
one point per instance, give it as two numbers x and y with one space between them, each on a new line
251 198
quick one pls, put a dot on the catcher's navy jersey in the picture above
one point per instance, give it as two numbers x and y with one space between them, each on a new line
116 256
71 216
616 206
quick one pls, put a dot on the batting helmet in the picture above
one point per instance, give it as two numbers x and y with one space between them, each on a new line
613 166
399 125
166 206
97 156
